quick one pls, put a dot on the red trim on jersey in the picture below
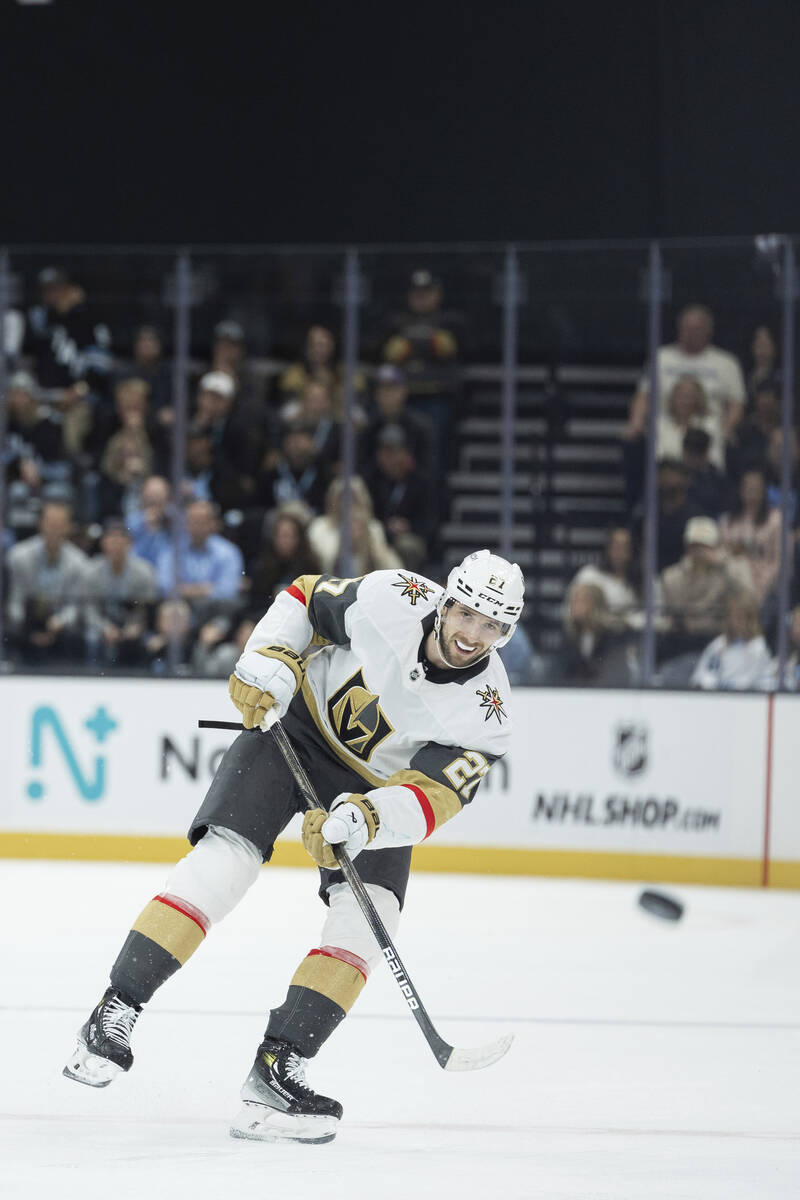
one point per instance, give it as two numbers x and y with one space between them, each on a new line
188 910
425 805
345 956
298 595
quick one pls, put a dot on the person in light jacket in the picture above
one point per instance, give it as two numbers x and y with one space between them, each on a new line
739 659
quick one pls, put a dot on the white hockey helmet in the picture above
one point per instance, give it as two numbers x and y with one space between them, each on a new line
489 584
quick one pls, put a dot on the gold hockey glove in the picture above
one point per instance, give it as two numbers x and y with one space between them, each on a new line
351 823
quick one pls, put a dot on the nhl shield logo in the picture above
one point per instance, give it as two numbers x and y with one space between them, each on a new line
631 748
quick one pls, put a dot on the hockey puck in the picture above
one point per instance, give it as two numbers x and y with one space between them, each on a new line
661 905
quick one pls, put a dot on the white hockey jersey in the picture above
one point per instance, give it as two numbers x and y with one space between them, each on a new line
423 738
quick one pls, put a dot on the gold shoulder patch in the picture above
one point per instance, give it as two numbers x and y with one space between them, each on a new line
492 702
412 587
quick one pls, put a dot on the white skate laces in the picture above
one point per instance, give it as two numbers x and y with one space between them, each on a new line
117 1020
296 1070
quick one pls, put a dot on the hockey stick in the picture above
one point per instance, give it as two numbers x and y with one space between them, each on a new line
447 1056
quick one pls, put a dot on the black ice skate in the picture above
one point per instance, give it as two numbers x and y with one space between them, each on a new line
103 1048
279 1105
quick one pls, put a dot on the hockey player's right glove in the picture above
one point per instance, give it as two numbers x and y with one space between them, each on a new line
263 679
352 823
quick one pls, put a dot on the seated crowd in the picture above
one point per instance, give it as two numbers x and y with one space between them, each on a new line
719 528
107 562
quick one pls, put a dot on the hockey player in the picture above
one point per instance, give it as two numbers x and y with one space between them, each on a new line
396 719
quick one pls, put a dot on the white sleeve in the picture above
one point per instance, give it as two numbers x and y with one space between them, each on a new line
705 675
285 623
402 820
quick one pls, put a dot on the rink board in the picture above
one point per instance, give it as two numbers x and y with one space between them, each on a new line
626 785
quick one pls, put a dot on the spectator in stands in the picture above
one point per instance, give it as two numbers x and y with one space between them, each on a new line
751 532
238 442
210 568
314 408
149 364
764 353
523 665
119 588
285 555
774 470
173 624
399 495
709 489
592 653
694 592
369 550
298 473
791 674
129 456
228 354
674 510
198 475
738 659
391 408
150 525
33 438
318 364
71 352
618 577
214 657
12 336
749 446
685 406
693 354
46 585
423 343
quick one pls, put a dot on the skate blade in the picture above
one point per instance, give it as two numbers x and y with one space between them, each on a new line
259 1123
91 1069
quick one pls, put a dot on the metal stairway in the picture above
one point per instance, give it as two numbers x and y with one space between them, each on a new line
567 486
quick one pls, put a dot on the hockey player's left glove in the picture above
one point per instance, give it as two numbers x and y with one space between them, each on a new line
351 823
263 679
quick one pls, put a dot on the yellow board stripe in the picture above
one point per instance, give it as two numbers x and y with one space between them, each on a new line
482 860
335 979
169 928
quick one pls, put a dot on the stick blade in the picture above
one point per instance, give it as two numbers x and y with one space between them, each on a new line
481 1056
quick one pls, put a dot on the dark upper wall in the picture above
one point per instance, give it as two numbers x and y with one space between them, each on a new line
416 122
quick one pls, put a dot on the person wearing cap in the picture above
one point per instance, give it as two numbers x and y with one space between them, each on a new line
391 408
695 591
237 439
119 588
70 345
422 341
229 354
399 495
34 449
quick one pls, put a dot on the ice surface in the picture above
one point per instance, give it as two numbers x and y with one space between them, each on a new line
650 1060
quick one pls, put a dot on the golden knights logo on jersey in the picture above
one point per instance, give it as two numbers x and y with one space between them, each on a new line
492 701
412 587
357 719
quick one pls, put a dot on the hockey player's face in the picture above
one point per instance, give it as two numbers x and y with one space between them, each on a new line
467 635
